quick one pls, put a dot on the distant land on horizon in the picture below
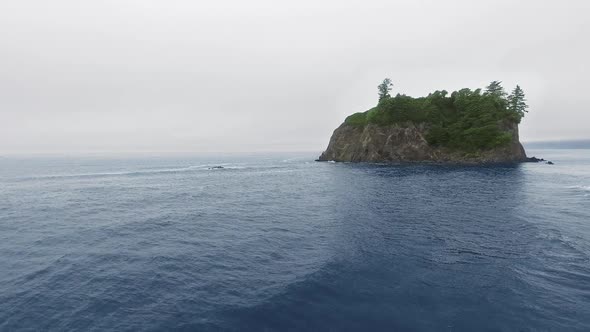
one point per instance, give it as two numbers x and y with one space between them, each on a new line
561 144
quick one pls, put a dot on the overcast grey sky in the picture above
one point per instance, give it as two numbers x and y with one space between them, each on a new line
267 75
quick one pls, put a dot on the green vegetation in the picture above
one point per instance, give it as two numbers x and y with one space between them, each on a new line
357 119
467 120
517 102
384 89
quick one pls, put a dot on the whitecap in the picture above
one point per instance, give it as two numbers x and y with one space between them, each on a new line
580 187
119 173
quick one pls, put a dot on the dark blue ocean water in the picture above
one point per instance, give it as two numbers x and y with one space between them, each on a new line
282 243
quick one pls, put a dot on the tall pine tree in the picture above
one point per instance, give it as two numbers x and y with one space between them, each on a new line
517 102
384 89
495 89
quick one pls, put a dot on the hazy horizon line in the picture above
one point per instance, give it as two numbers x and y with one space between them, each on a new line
222 152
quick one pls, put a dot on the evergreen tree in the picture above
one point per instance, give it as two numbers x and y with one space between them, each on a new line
384 89
495 89
517 102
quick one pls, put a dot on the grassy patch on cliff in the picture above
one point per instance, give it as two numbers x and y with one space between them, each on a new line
357 119
467 120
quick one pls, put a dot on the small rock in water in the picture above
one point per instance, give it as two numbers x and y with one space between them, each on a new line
534 160
550 163
216 167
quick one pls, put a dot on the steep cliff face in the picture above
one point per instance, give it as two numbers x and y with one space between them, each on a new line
407 143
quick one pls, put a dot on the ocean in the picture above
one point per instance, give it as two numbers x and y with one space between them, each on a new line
278 242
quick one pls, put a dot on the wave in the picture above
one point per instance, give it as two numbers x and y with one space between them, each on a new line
581 188
192 168
136 172
120 173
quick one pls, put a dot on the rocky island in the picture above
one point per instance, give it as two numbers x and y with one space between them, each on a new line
466 126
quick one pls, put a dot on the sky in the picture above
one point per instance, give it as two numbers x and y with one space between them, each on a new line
265 75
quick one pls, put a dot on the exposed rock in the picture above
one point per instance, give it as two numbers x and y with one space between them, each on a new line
407 143
534 160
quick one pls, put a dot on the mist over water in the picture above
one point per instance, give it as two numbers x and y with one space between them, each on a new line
279 242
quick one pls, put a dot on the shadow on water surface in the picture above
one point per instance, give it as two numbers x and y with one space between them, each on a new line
419 248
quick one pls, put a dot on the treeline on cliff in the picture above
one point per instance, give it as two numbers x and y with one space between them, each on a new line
467 120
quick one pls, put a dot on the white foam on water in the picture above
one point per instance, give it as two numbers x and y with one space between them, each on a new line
122 173
580 190
580 187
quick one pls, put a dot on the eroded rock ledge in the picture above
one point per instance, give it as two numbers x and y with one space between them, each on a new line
406 142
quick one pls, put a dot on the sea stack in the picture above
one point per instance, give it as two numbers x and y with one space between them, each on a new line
407 142
467 127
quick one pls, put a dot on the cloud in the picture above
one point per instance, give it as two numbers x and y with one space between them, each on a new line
265 75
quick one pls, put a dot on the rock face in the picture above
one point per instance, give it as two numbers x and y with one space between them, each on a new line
407 143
